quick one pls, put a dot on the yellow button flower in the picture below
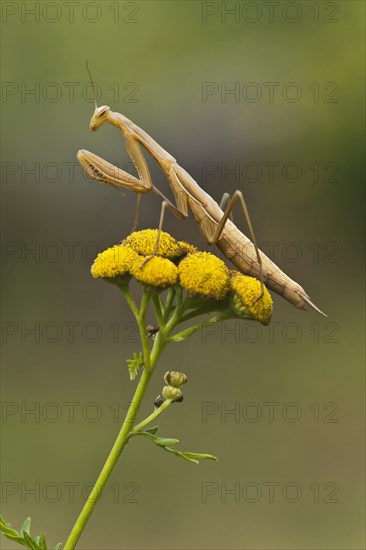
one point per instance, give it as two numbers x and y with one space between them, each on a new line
143 242
187 248
157 271
205 275
114 261
245 290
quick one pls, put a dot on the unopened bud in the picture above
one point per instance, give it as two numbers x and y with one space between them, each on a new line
175 379
169 392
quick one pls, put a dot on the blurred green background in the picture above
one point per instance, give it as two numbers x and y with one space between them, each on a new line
152 62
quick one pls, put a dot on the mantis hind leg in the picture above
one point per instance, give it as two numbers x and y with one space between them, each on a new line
180 211
224 203
137 211
229 204
164 205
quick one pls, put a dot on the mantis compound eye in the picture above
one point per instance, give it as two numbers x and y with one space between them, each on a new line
99 117
101 111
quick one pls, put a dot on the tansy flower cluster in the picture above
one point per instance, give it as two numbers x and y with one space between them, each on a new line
199 274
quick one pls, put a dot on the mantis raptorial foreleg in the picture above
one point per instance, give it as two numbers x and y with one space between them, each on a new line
101 170
230 203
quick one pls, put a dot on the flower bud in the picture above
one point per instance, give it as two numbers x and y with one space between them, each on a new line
152 329
169 392
175 379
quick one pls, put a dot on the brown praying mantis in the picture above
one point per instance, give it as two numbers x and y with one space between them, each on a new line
214 220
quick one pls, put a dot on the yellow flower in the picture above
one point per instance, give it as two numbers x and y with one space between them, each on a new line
113 262
186 247
157 272
143 242
245 290
205 275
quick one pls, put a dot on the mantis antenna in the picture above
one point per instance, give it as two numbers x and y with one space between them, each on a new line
96 107
92 83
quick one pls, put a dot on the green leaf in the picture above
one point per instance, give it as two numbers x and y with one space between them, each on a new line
7 529
191 457
10 533
160 441
134 364
58 546
30 542
181 455
202 456
24 538
26 526
152 430
42 542
164 442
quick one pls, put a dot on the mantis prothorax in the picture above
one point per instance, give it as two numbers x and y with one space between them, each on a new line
214 222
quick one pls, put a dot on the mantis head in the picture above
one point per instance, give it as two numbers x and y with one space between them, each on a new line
99 117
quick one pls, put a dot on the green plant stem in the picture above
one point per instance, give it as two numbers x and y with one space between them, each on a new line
150 361
199 311
123 436
169 303
142 329
189 331
152 416
111 461
158 310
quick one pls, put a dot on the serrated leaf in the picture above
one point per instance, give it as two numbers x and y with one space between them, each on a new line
26 526
134 364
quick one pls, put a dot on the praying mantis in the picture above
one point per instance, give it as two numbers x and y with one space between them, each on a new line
213 219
